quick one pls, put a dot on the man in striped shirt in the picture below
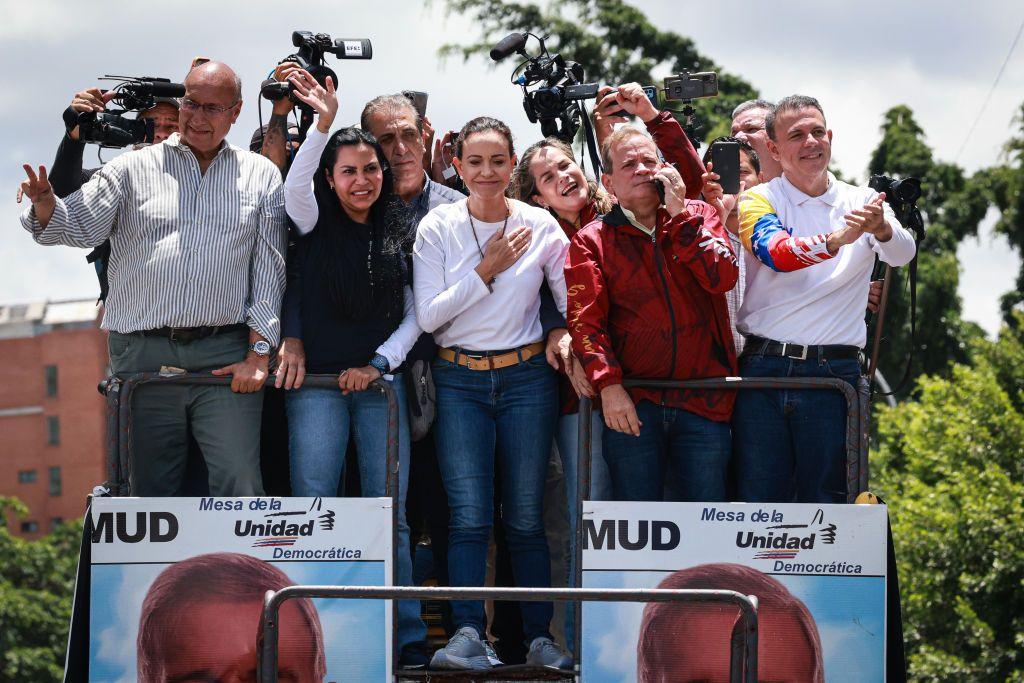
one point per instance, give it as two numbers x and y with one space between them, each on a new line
197 273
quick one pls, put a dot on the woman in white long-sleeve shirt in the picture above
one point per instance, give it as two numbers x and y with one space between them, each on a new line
478 267
349 306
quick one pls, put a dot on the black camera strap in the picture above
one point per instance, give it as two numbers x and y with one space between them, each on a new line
913 220
591 139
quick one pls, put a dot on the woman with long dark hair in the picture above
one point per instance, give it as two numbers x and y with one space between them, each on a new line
478 268
348 312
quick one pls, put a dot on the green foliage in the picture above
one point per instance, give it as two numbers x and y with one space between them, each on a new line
950 465
614 41
953 205
1005 187
37 581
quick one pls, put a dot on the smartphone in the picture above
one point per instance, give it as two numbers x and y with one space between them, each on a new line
725 158
652 95
418 99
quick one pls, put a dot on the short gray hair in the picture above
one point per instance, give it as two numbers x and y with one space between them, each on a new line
751 104
384 103
791 103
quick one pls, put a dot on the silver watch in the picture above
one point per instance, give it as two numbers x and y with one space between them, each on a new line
260 348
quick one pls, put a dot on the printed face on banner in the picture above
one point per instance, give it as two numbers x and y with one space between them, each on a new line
182 580
818 573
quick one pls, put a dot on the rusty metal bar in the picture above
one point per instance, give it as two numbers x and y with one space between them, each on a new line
267 633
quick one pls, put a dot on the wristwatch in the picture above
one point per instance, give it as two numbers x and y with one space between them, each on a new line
381 363
260 348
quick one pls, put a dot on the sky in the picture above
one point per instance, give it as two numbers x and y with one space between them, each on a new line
859 59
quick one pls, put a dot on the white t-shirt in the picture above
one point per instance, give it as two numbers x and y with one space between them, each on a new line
823 303
454 304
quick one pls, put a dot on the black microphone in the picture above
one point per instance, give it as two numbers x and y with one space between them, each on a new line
166 89
513 42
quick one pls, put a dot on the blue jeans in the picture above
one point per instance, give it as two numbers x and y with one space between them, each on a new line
782 433
504 417
696 448
319 424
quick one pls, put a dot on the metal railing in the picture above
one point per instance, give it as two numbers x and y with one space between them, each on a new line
120 390
856 441
742 643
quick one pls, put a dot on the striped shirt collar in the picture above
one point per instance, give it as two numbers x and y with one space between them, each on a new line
174 140
799 198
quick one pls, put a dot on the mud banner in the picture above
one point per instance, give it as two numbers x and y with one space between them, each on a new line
177 587
818 571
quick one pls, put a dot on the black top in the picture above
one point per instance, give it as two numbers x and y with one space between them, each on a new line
332 343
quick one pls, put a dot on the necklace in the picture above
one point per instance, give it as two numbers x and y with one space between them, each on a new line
472 225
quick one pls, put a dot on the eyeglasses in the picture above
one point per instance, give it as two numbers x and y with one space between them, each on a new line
208 109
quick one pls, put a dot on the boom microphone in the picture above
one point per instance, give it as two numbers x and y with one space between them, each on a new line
166 89
513 42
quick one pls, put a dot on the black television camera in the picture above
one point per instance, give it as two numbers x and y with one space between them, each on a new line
310 56
555 104
112 128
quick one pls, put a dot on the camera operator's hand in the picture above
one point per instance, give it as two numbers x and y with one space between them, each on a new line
875 295
501 251
634 101
675 189
604 121
37 189
324 101
88 100
281 74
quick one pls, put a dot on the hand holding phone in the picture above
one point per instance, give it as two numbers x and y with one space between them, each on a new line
725 159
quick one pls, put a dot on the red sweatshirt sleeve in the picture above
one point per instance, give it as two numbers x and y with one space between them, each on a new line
678 151
707 251
587 314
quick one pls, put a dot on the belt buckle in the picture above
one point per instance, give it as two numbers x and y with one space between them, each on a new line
785 351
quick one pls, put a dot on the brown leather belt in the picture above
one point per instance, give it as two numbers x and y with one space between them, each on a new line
477 360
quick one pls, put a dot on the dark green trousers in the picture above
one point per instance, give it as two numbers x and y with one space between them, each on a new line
226 425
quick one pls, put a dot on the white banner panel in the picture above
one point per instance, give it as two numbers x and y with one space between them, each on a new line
819 572
177 587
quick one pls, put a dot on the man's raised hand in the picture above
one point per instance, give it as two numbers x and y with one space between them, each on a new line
37 189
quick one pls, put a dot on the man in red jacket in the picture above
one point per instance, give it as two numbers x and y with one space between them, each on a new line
647 285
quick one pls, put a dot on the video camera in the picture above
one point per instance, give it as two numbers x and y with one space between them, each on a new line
111 128
310 56
555 103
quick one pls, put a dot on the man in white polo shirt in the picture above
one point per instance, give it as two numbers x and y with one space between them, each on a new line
815 239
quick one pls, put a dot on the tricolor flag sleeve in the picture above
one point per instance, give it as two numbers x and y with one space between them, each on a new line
772 243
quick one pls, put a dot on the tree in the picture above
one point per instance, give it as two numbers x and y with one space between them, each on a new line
1005 185
950 466
952 205
614 42
37 580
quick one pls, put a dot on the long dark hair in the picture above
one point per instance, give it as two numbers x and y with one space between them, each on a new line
363 270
